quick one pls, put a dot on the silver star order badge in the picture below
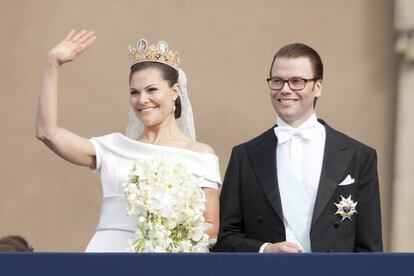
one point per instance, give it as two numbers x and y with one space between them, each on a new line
346 208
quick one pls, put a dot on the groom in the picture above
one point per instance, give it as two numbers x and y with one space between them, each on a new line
301 186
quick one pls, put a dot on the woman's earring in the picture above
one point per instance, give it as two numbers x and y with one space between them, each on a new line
173 107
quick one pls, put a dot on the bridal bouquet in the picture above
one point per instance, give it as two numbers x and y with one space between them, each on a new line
169 204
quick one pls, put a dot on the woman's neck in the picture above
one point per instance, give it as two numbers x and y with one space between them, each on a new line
161 133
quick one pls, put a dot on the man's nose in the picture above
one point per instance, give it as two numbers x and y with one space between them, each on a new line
286 88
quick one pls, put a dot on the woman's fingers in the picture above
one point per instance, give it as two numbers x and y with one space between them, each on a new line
77 36
82 39
73 44
69 35
85 37
87 43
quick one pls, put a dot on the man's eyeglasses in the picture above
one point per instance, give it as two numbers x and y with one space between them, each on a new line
295 84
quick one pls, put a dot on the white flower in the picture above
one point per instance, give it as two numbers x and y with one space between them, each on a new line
170 205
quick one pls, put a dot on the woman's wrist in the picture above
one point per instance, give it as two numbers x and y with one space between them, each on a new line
52 61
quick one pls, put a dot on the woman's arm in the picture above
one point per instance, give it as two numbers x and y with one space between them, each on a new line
64 143
211 213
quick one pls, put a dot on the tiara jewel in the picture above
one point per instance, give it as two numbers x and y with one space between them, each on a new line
160 53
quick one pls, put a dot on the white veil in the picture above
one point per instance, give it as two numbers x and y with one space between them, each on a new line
185 122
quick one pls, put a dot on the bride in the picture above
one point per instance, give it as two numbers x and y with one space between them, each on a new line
160 122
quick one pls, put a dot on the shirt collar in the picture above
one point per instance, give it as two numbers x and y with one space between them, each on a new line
312 120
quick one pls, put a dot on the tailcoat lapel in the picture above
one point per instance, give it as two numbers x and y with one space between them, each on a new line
262 156
336 160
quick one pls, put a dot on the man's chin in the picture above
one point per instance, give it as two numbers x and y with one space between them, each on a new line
287 117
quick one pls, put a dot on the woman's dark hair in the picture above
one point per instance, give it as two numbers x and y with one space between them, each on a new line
168 73
14 244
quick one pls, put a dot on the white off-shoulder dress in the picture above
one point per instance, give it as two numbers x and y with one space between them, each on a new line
115 156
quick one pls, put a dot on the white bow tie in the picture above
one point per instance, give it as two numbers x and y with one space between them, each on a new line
284 134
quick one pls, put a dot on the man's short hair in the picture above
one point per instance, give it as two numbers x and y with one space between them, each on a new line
297 50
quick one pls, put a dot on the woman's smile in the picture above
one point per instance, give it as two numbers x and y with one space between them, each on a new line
147 109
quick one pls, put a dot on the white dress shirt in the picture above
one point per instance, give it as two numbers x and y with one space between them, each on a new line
299 155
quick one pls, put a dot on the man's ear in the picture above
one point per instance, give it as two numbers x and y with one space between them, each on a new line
318 88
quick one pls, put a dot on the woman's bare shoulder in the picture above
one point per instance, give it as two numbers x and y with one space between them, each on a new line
200 147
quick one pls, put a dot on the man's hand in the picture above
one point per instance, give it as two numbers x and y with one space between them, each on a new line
282 247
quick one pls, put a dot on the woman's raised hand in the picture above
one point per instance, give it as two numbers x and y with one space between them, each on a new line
66 144
71 46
